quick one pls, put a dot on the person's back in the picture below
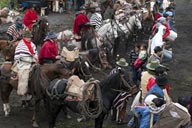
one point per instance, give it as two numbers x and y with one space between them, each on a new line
173 116
49 51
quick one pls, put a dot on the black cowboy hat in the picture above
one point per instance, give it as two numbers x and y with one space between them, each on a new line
161 80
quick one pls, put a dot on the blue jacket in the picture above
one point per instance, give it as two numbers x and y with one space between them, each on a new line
143 114
155 89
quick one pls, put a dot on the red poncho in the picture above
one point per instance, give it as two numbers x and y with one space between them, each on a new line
49 50
79 20
29 17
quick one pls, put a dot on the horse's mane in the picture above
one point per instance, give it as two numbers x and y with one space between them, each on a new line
107 82
39 31
38 82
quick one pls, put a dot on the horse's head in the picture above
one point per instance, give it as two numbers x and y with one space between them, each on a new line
126 83
137 21
40 30
84 69
43 25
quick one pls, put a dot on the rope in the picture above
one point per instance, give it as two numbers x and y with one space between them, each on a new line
88 110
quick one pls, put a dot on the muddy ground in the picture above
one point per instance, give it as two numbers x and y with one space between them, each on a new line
180 73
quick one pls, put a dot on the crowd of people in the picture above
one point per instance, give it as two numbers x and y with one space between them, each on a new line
147 64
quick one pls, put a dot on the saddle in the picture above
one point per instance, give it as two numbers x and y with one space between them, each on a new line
77 88
70 55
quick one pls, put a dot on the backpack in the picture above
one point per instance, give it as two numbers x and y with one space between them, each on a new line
138 63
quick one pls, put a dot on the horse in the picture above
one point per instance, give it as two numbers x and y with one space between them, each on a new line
109 89
10 18
40 77
133 24
39 31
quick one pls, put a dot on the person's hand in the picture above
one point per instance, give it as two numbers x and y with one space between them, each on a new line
35 59
164 43
34 21
57 57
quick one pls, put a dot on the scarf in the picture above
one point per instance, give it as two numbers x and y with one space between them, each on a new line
28 44
18 26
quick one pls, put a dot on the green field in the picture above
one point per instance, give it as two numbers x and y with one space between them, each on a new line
4 3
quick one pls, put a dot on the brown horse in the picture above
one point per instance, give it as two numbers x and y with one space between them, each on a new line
40 77
39 31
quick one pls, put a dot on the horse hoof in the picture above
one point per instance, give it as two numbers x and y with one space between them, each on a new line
7 114
35 125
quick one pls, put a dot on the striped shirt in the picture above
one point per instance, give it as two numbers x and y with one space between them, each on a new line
132 57
12 31
23 51
96 19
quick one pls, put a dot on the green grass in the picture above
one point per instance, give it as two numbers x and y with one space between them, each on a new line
4 3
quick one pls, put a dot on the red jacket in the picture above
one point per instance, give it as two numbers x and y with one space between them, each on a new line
152 82
79 20
49 50
29 17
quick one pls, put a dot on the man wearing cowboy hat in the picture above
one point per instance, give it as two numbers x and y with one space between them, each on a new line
49 51
120 64
25 56
145 75
80 20
15 31
96 18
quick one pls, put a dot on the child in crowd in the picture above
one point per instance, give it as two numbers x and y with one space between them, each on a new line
132 57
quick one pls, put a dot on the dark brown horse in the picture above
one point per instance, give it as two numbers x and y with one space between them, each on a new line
39 31
110 87
40 77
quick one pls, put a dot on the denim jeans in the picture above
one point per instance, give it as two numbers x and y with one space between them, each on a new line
68 5
78 4
167 56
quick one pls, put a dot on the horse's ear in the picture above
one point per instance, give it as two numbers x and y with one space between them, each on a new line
120 70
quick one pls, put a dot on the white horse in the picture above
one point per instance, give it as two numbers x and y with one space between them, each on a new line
10 17
66 38
111 30
133 21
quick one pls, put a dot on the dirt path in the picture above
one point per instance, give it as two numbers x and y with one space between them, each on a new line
180 72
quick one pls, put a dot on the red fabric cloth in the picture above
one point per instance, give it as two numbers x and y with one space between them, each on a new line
167 31
157 16
28 44
29 17
79 20
152 82
49 50
138 63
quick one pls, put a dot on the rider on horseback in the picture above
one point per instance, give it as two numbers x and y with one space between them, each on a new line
80 19
30 17
25 56
49 50
15 31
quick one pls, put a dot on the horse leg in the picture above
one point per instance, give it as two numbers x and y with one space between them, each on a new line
5 93
52 109
99 120
53 113
34 121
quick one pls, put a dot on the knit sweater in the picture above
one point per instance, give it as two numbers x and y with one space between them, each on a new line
23 51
